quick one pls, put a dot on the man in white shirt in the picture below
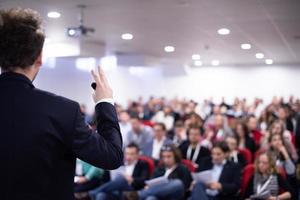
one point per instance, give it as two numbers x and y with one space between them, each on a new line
152 148
125 126
225 176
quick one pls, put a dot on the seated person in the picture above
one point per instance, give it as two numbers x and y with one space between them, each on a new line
152 148
87 177
266 183
234 154
226 176
139 133
129 177
245 141
279 152
178 133
177 182
191 149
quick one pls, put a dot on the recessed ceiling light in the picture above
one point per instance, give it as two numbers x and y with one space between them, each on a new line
127 36
259 55
53 14
223 31
198 63
269 61
215 62
246 46
196 57
72 32
169 49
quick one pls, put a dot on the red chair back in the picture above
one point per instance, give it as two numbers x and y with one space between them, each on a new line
150 163
247 155
189 165
246 176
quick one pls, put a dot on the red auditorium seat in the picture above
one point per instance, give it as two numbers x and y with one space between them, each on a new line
148 123
189 165
150 163
247 174
247 155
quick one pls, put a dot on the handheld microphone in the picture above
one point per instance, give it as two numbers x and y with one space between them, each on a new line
94 85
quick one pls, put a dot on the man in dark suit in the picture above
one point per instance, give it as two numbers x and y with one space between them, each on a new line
129 177
225 180
191 149
41 133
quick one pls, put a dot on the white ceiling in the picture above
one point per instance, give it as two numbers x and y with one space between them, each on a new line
271 26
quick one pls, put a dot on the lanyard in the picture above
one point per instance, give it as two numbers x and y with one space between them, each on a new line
196 153
260 187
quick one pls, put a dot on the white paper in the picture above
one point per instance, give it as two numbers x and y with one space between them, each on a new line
157 181
203 177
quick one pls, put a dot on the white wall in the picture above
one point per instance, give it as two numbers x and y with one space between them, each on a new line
242 81
252 81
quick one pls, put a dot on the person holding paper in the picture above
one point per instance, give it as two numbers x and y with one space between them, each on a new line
172 179
130 177
225 176
266 183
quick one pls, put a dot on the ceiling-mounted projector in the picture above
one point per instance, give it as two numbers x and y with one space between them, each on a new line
80 30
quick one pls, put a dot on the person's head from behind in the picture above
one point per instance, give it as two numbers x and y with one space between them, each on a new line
159 130
219 152
194 134
136 124
131 153
170 156
232 143
22 40
264 164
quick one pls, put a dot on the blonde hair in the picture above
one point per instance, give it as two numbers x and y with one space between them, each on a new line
271 161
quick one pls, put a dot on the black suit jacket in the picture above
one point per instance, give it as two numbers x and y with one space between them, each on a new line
140 174
230 178
203 153
181 173
41 136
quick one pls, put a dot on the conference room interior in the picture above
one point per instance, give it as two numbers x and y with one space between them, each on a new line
192 81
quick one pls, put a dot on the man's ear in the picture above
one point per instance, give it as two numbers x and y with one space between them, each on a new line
39 61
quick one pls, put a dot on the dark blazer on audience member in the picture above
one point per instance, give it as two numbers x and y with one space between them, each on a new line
241 160
181 173
230 178
41 136
203 153
140 174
